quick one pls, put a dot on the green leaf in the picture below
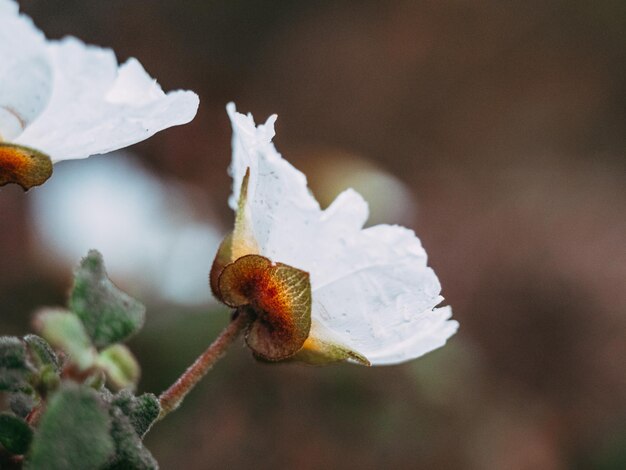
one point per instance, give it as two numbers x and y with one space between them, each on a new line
15 434
130 452
21 404
142 411
65 331
109 315
42 353
74 432
120 366
49 379
14 368
96 380
12 380
12 353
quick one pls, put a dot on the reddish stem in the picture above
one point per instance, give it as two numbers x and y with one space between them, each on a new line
33 417
173 396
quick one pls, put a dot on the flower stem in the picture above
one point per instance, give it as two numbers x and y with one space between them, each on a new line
173 396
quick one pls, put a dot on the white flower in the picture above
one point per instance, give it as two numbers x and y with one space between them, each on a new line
69 100
373 296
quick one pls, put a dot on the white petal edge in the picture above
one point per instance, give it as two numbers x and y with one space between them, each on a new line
422 342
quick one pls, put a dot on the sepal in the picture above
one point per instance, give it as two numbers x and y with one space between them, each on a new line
323 347
279 299
23 166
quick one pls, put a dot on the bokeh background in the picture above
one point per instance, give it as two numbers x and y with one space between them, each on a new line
495 129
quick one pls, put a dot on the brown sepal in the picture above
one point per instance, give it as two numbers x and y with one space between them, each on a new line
279 297
23 166
222 259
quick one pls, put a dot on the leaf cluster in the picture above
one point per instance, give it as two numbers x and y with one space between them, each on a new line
70 390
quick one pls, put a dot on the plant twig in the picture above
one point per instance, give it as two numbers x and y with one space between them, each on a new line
173 396
33 417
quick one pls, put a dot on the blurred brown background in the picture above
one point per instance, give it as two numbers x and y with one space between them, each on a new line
504 124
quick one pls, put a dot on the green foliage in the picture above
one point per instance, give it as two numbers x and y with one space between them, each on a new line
14 367
82 424
41 352
15 434
65 331
109 315
129 450
74 432
120 366
21 404
100 317
142 411
82 428
12 352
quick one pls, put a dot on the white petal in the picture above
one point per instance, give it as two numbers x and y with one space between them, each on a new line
429 333
25 71
97 107
287 221
8 7
371 288
382 304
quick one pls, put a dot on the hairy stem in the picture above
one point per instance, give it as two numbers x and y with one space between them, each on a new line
173 396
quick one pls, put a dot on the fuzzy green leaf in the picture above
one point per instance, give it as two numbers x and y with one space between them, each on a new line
142 411
21 404
12 353
120 366
12 380
130 452
65 331
14 369
15 434
74 432
109 315
42 352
